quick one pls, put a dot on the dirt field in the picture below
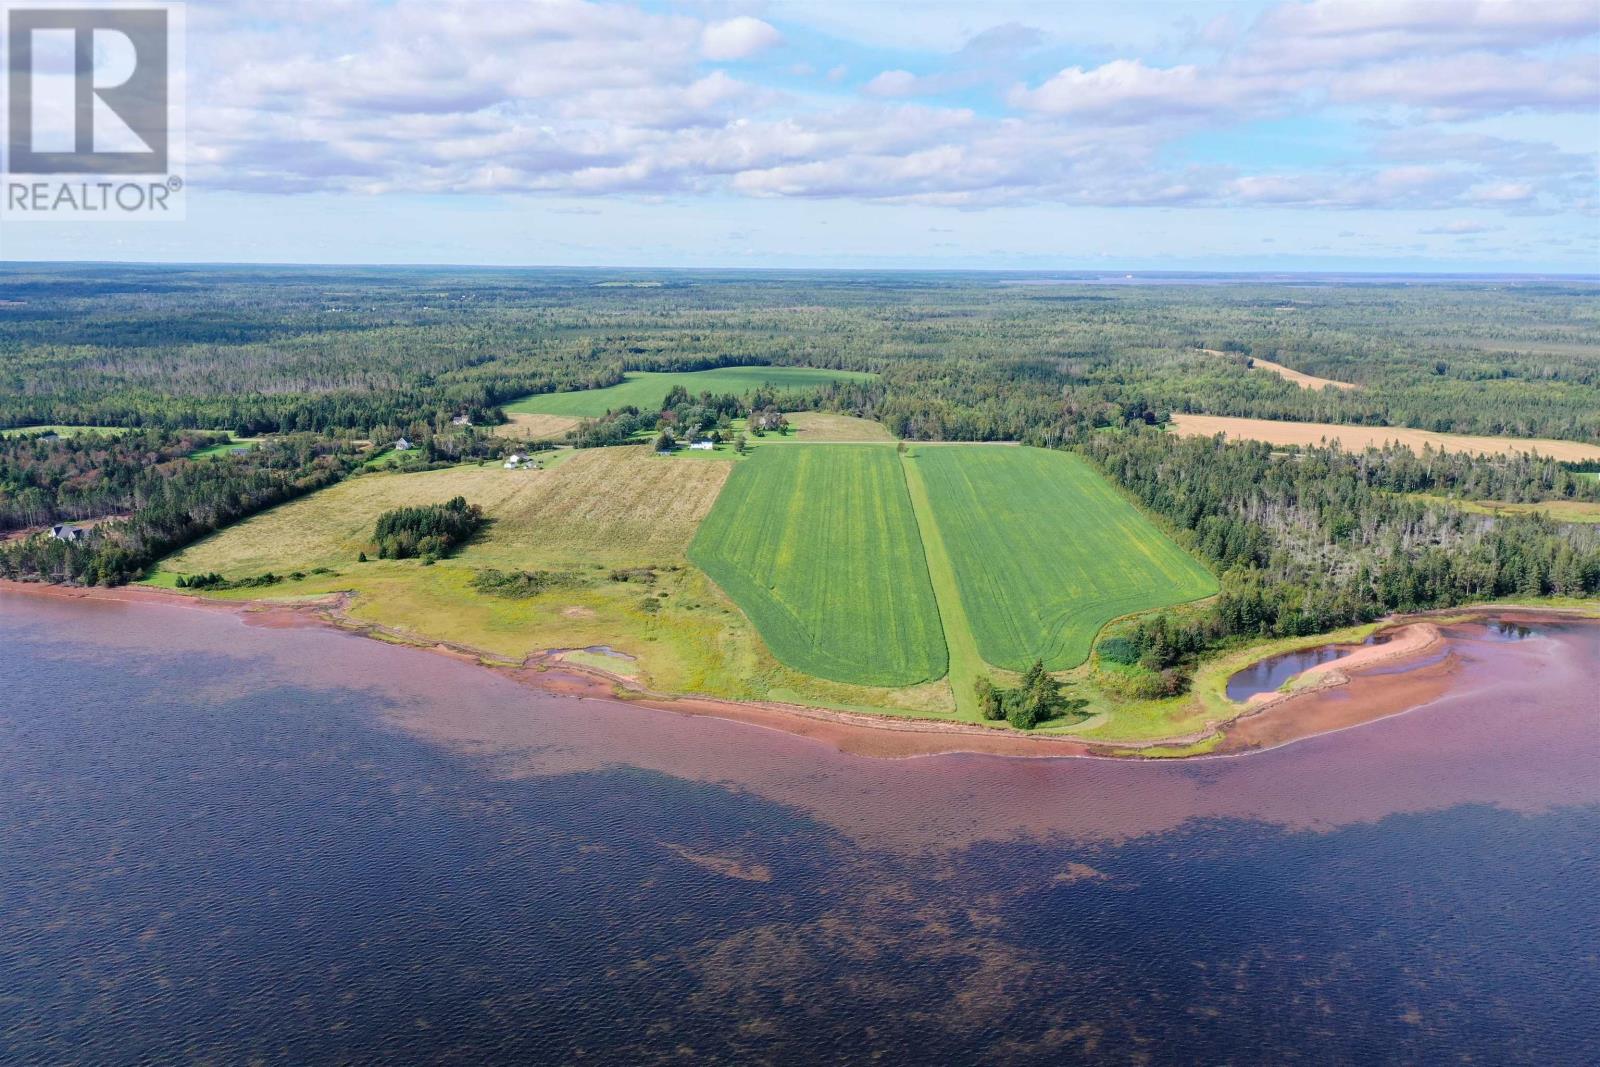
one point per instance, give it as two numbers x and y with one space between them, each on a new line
1355 438
1304 381
529 426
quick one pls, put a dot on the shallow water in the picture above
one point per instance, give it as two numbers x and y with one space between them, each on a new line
1267 675
221 841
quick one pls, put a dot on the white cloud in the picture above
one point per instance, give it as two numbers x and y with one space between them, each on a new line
892 83
1127 91
1476 82
1337 32
568 96
1503 193
737 38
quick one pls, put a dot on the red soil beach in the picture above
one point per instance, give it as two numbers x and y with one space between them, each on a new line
1416 666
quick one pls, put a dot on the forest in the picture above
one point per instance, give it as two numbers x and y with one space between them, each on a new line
335 364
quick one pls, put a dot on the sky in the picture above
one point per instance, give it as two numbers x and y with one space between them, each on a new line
1404 135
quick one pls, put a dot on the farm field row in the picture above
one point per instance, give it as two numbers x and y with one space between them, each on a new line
1029 553
820 548
1046 552
647 389
1356 438
836 575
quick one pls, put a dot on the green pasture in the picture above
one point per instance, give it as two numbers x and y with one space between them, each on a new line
647 389
820 547
1045 552
63 431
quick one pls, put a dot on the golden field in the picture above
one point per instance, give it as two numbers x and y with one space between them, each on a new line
1356 438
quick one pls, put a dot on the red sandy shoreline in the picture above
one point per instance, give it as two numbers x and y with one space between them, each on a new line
1340 694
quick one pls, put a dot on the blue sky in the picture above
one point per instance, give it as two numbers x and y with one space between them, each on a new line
1404 135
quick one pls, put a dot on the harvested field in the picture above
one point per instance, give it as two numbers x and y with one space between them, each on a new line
1356 438
531 426
823 427
602 505
1304 381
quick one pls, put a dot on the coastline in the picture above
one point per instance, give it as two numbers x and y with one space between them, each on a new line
1367 684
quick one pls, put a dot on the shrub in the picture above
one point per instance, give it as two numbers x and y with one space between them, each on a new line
1119 650
518 585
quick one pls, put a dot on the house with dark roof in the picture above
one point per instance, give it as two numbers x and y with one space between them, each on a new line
67 532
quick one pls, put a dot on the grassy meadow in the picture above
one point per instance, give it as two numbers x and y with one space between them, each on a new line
646 389
1045 552
821 548
596 512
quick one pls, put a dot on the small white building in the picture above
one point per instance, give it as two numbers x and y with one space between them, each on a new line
702 446
513 461
67 532
402 445
461 420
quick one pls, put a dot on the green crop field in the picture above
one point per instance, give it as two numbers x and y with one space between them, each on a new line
821 549
1045 552
646 389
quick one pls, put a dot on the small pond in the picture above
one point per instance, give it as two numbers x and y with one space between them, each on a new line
1266 676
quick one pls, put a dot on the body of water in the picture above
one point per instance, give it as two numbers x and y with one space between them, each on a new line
1268 675
226 842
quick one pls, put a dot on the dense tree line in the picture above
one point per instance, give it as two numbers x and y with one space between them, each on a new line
45 478
1314 539
176 503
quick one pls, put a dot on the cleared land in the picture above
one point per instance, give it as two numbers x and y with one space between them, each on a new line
647 389
1303 380
1586 511
821 548
614 505
1357 438
1045 552
822 427
529 426
62 431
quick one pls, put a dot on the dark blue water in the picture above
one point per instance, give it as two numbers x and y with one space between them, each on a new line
226 843
1265 676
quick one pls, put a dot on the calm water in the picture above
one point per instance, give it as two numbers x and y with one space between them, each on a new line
1267 675
221 842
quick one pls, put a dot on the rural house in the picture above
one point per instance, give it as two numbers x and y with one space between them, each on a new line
402 445
67 532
